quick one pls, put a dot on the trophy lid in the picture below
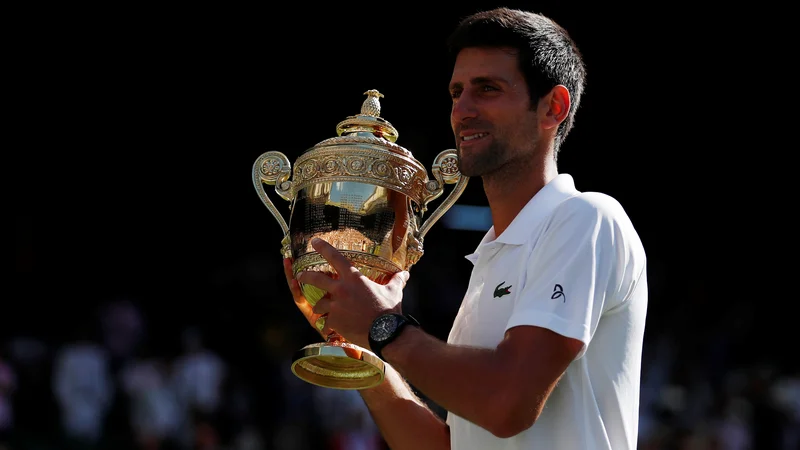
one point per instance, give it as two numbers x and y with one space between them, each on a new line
367 127
365 152
369 120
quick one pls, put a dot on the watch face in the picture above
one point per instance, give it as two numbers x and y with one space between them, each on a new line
383 328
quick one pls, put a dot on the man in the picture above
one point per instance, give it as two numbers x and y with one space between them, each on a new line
545 351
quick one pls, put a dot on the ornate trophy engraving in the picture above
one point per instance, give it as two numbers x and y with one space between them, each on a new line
366 196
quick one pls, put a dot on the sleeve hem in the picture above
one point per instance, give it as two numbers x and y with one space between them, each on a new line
553 323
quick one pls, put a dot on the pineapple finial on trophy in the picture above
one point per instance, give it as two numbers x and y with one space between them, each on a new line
369 122
372 106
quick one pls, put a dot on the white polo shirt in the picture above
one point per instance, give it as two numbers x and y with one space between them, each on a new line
571 262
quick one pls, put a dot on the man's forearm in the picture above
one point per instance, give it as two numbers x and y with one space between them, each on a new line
405 421
465 381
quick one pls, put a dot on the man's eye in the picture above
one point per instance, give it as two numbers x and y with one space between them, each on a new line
489 88
455 94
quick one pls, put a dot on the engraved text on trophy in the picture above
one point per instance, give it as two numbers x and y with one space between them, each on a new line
353 217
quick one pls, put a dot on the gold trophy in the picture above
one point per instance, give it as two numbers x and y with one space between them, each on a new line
366 196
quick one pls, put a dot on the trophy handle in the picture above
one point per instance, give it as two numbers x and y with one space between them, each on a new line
273 168
445 171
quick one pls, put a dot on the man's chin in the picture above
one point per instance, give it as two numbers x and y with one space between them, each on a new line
464 166
468 170
473 165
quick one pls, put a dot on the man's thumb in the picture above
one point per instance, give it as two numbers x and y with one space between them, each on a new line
401 278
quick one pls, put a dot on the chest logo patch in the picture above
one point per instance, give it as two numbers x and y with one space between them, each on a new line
500 291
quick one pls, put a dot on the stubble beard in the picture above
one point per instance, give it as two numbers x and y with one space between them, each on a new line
481 164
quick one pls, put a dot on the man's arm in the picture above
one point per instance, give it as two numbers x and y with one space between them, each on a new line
502 390
405 421
505 388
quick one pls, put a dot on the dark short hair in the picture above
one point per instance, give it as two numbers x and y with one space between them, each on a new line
547 55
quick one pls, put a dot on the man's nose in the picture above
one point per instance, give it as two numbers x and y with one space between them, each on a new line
464 108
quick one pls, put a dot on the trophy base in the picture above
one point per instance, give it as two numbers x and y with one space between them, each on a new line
338 365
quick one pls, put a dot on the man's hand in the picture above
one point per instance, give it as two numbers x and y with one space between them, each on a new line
353 301
299 299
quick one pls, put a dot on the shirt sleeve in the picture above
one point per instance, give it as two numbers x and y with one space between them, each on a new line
568 272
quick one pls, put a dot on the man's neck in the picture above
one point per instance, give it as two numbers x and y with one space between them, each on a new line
509 191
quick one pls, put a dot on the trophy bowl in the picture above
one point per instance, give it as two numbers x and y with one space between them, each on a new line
366 196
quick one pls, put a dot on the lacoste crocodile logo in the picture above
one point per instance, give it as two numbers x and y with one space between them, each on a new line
499 292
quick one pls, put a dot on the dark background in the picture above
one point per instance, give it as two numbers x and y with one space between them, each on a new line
145 125
138 129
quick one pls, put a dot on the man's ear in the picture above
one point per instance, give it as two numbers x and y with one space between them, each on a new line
554 107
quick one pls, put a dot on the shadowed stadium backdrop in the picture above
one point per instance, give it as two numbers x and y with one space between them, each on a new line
147 123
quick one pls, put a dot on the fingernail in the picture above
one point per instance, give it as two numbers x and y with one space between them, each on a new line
315 241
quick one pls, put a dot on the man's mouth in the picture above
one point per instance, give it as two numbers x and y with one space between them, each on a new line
472 137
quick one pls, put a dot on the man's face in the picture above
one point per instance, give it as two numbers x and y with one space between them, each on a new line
491 117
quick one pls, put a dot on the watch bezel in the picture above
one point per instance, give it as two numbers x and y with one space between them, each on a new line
393 320
398 322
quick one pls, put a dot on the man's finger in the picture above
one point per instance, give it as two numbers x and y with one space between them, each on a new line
287 271
294 286
317 279
323 306
300 300
297 294
321 324
335 258
399 280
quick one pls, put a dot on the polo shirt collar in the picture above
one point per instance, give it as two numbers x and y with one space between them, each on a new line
537 209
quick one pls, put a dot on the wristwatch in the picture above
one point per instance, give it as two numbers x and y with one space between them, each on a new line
386 328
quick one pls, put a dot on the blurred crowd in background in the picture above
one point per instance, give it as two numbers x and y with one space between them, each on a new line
134 376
